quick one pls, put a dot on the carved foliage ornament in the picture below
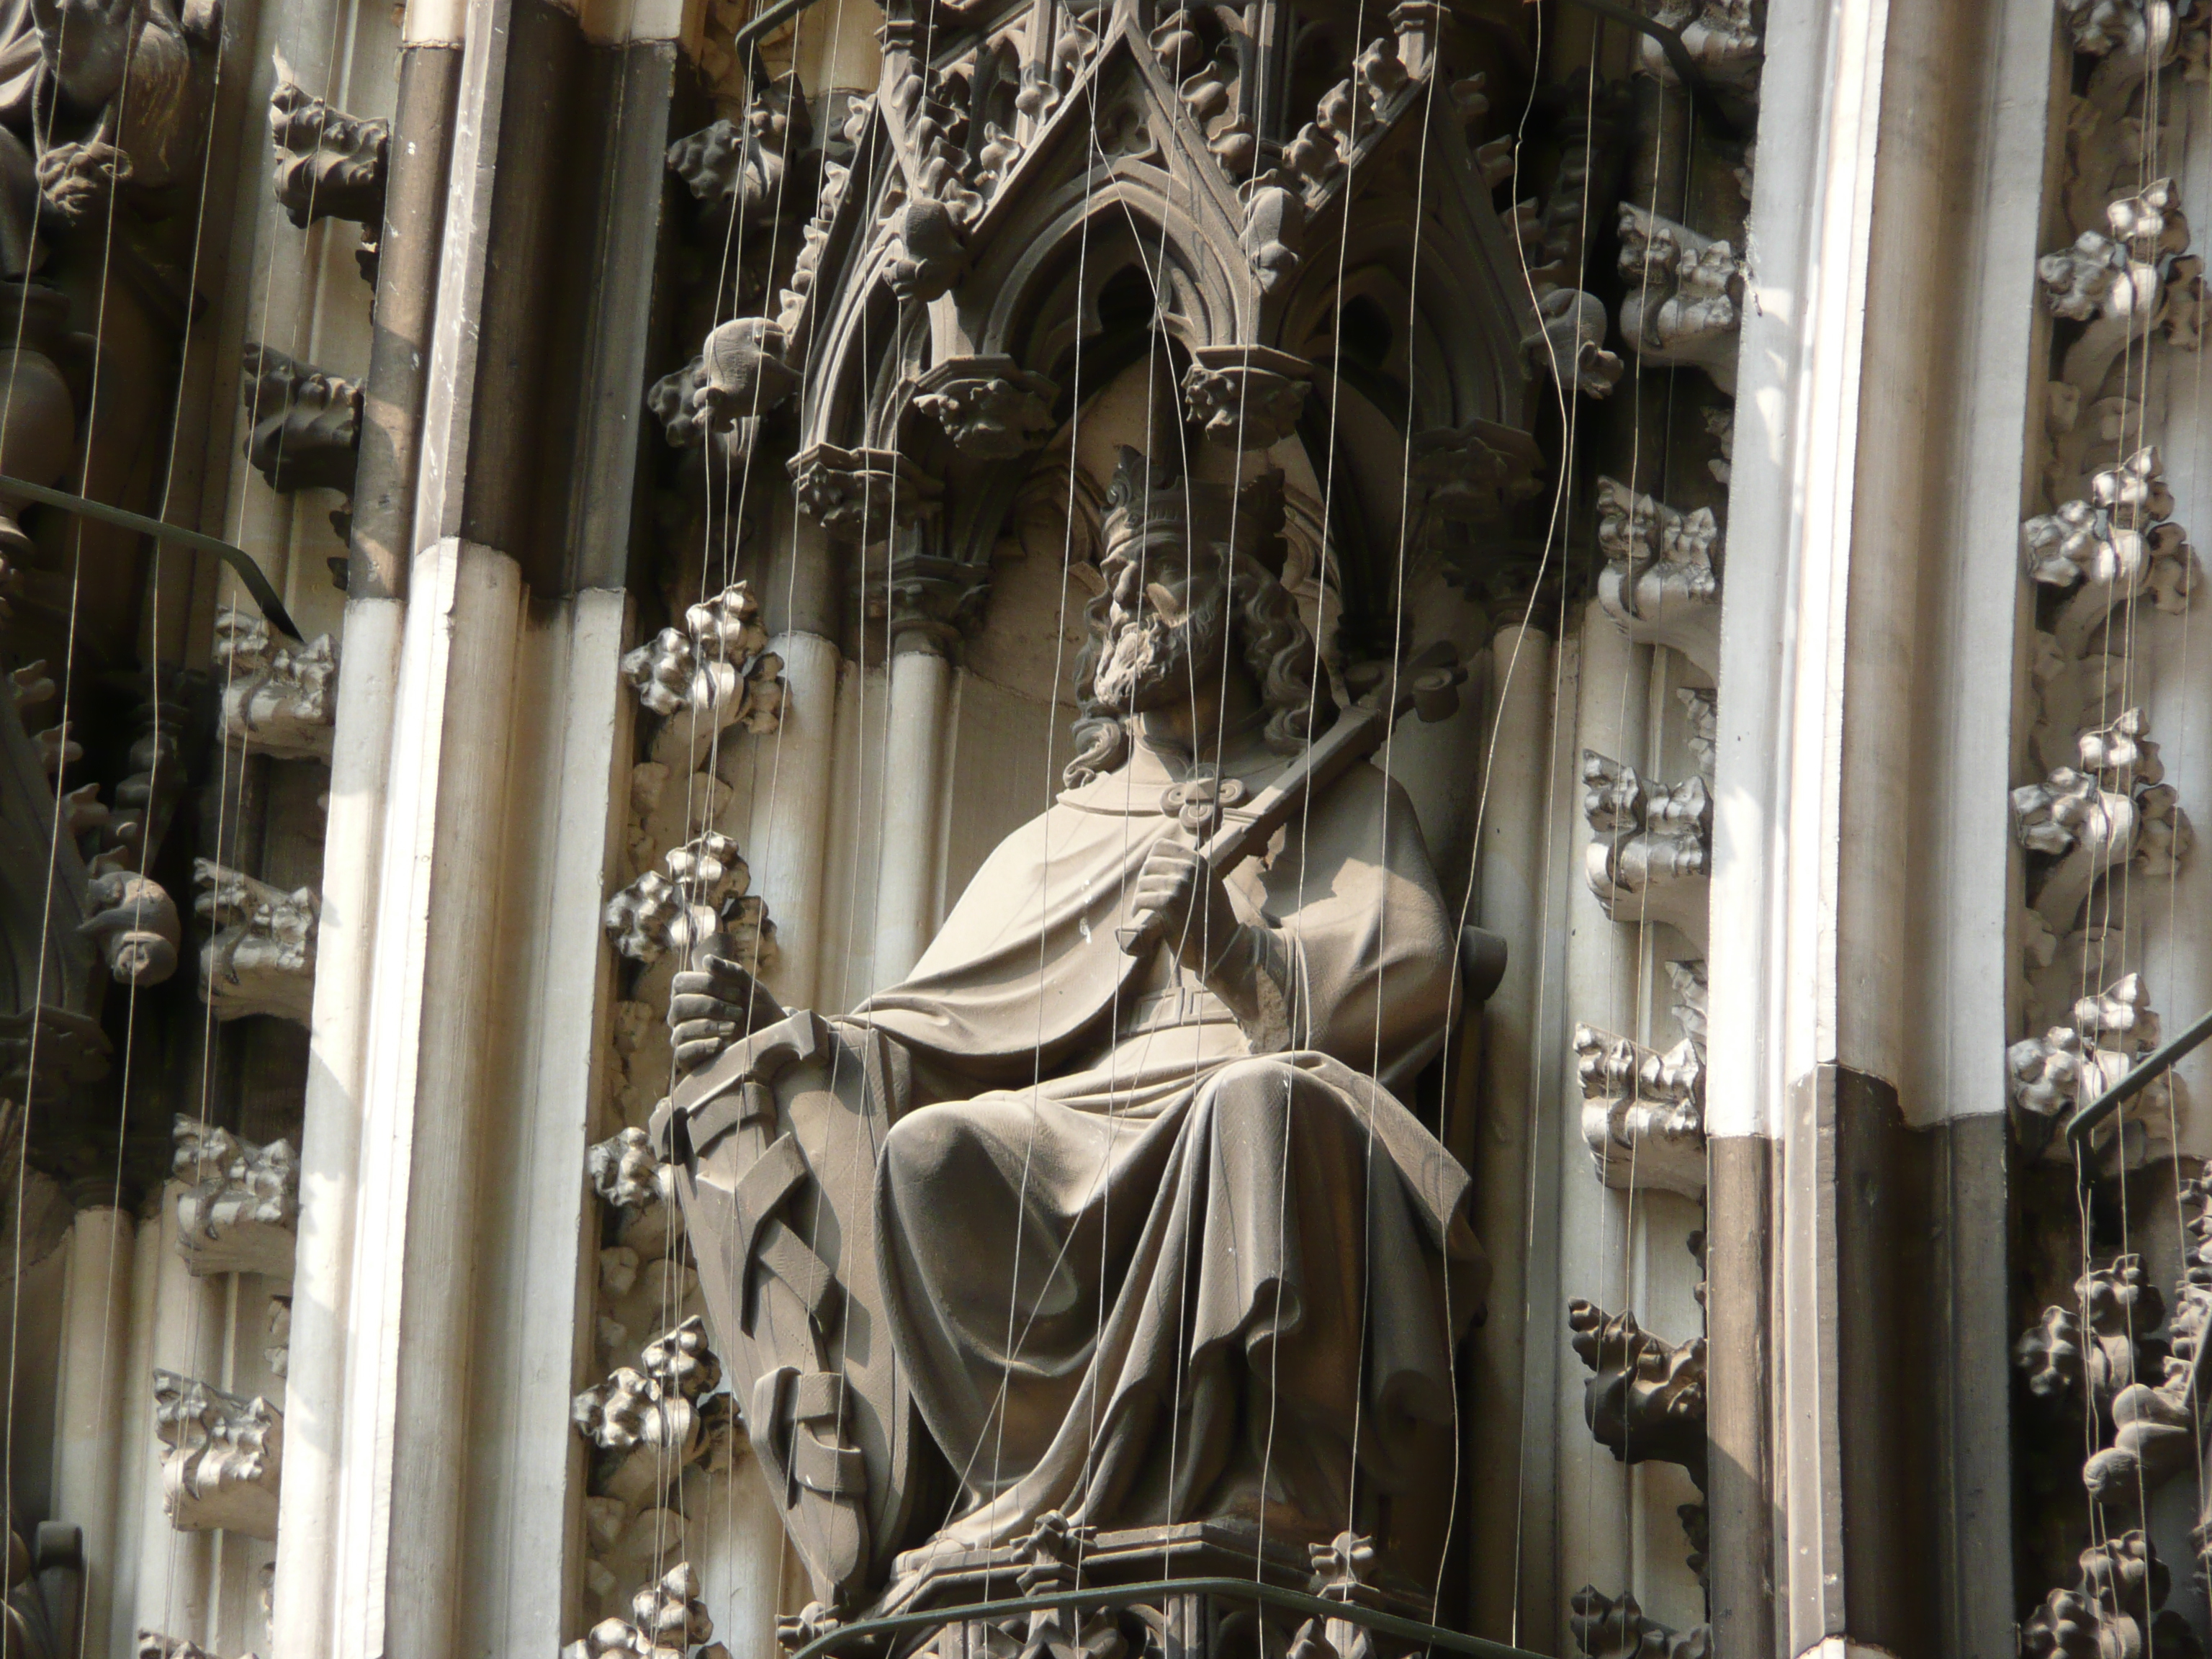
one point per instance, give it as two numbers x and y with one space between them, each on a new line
240 1209
1608 1627
668 1621
991 408
1644 1112
2115 1606
1684 303
2137 272
279 698
260 957
225 1456
329 165
650 1425
1649 857
1246 396
2053 1075
1661 581
2114 810
305 432
2119 543
1721 37
858 494
745 165
698 900
1645 1397
714 673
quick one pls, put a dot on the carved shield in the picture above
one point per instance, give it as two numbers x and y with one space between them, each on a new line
776 1144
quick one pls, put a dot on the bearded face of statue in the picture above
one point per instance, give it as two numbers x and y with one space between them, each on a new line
1167 623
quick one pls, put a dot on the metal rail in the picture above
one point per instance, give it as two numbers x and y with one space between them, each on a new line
240 561
2161 1061
1115 1595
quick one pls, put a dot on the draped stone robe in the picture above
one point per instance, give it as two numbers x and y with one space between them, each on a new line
1141 1265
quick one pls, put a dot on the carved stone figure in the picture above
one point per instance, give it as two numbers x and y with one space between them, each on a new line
1234 1263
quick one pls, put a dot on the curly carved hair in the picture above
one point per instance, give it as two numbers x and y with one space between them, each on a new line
1278 650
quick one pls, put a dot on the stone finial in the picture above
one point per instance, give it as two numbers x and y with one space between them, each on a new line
239 1210
260 958
225 1457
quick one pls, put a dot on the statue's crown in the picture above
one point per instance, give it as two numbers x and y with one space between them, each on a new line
1151 501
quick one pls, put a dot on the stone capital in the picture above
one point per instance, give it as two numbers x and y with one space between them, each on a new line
990 407
1248 396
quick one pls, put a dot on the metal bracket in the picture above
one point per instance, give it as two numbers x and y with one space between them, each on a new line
241 562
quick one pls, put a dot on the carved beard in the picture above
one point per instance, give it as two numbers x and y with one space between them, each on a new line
1148 661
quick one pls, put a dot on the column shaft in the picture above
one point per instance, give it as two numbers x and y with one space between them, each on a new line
906 898
90 1433
1592 1491
1496 1143
789 843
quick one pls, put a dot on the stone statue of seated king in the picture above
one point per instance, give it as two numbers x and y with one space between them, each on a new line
1135 1239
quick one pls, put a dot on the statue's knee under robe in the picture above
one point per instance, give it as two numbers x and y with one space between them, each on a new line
1223 1299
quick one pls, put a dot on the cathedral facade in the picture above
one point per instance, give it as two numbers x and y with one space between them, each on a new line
1075 829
